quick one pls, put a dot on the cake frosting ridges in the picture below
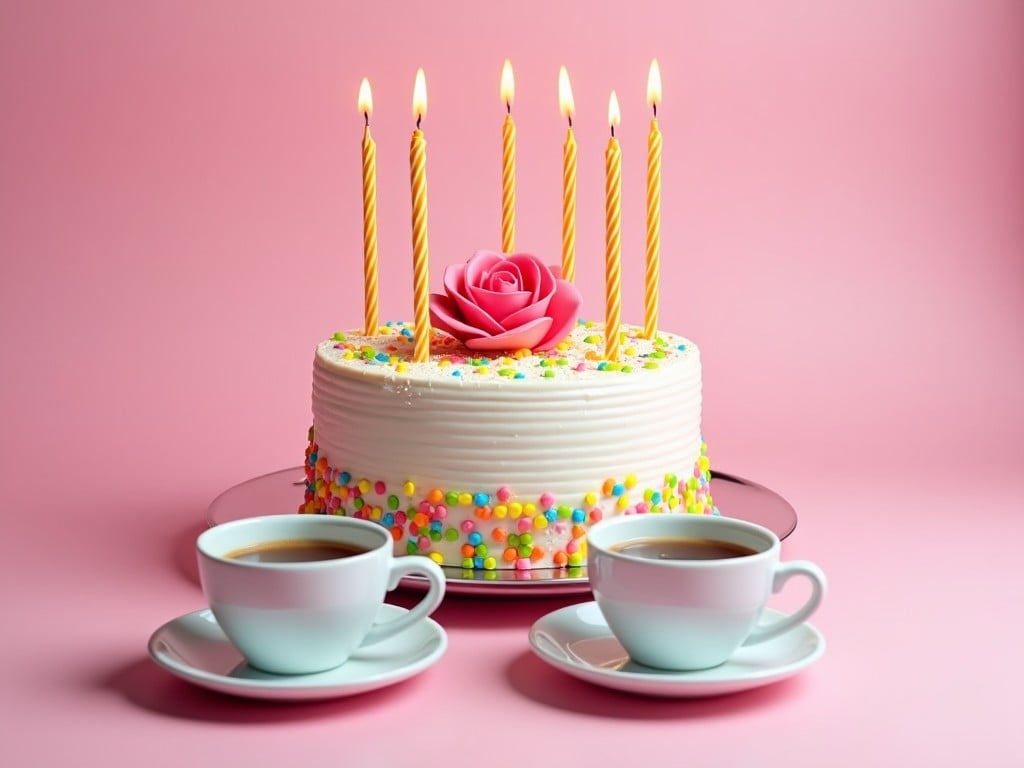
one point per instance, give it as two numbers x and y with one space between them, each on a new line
502 461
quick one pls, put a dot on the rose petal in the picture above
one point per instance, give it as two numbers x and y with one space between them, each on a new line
499 292
543 287
480 264
563 309
503 278
536 275
523 337
491 290
444 314
478 316
455 278
527 314
501 305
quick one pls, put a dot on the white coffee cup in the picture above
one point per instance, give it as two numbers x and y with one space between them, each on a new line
302 617
688 614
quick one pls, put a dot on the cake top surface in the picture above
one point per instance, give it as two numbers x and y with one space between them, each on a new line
580 356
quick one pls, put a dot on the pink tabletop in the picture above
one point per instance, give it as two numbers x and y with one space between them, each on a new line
180 222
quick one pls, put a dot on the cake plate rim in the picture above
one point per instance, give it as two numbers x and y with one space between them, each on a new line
745 499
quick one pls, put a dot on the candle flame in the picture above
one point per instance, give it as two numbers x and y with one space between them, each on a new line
565 102
654 85
613 111
365 99
419 95
508 84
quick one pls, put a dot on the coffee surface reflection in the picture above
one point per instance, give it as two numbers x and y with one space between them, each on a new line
295 551
682 548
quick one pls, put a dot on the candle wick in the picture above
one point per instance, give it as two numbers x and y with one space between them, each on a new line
570 121
508 107
655 105
367 116
418 118
613 130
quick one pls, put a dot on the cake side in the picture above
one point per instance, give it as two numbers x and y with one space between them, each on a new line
503 461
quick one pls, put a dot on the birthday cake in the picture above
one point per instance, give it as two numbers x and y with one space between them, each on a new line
515 434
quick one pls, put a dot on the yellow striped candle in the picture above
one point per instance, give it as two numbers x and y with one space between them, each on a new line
508 163
651 277
369 213
567 106
420 251
613 239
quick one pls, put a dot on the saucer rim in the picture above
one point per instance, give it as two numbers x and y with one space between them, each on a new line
677 684
305 687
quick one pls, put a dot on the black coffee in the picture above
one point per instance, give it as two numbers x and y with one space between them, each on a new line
295 551
682 549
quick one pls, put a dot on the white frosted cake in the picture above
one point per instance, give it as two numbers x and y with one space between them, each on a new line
490 460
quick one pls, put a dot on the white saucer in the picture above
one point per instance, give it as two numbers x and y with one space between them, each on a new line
576 640
194 648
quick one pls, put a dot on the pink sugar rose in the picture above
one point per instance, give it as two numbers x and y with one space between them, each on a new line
498 303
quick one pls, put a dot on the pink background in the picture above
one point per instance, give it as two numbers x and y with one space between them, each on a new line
843 236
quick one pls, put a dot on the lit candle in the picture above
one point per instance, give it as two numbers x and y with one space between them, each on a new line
613 240
651 277
420 251
565 102
369 212
508 163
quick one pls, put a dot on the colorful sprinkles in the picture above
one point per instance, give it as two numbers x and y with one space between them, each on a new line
494 528
582 351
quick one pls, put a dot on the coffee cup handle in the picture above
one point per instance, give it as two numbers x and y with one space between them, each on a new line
400 568
783 572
